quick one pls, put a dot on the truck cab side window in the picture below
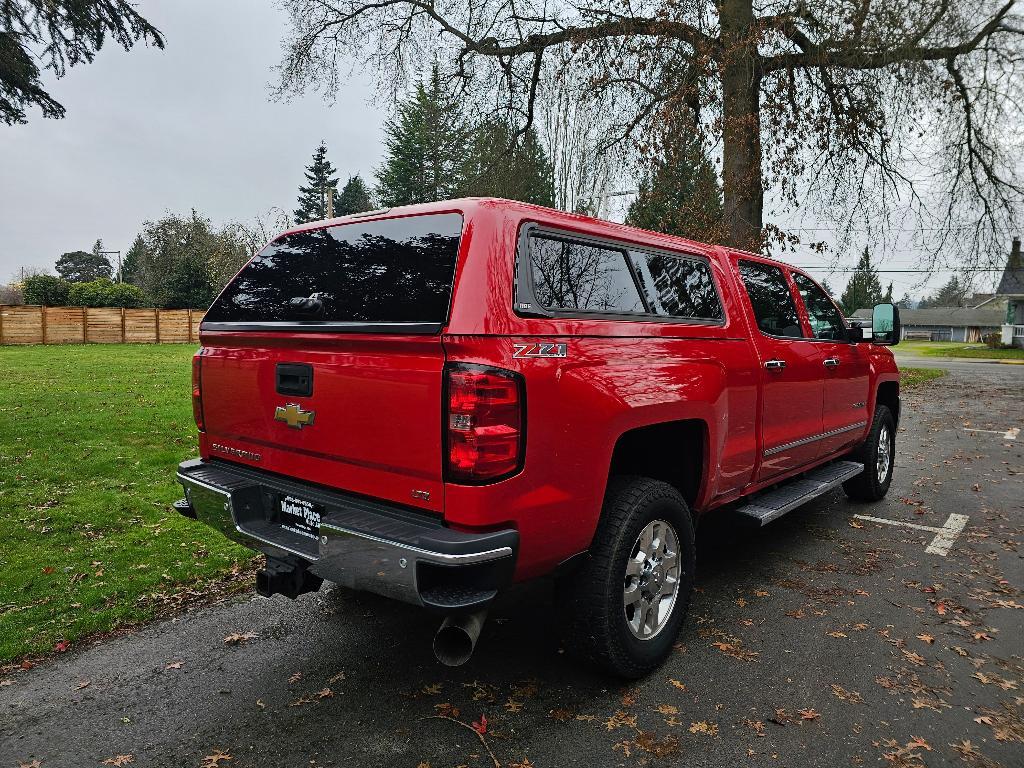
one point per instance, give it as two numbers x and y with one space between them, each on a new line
826 322
771 300
580 277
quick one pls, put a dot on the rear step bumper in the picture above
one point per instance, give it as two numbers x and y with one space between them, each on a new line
362 544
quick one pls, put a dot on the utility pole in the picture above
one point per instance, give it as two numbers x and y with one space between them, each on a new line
329 201
107 253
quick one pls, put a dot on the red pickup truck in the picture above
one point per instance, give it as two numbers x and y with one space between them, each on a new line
432 402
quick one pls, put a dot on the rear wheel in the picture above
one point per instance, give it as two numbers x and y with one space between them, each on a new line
878 454
623 607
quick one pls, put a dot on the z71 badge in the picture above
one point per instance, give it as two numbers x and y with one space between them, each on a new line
543 349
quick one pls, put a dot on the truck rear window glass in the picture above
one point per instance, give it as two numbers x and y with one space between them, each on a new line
677 286
577 276
770 299
391 270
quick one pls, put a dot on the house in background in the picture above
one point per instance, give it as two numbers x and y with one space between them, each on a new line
1011 289
965 324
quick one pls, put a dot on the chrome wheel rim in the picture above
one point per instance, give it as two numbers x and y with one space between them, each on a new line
652 580
884 457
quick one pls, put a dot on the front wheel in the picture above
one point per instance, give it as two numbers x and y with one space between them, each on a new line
623 607
878 455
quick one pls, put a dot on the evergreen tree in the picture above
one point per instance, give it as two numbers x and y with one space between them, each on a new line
826 287
132 261
499 166
426 147
888 295
949 295
864 288
82 266
907 302
320 175
354 197
679 193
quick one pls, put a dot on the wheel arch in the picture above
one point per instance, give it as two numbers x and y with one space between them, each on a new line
674 452
889 395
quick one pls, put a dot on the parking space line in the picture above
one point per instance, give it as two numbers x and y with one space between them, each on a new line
944 536
1010 434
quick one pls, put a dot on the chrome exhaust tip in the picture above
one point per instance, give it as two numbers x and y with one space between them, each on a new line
457 636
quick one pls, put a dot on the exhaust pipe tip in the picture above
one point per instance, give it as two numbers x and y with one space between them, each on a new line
456 639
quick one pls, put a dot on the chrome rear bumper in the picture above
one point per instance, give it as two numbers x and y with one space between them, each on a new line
362 544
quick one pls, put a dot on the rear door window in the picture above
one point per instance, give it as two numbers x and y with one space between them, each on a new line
770 299
676 286
575 276
387 271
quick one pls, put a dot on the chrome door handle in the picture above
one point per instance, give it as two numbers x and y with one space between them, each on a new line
775 364
831 362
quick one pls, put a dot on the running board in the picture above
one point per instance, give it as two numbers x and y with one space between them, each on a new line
775 503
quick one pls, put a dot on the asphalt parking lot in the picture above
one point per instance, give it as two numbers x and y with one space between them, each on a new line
822 640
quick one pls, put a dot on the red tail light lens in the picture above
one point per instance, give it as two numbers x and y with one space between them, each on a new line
485 424
197 391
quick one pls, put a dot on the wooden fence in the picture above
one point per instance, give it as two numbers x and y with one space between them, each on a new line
86 325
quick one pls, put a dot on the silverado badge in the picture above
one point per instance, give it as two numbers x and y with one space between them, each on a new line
294 416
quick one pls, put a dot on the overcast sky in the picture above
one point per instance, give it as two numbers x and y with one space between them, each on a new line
190 126
151 131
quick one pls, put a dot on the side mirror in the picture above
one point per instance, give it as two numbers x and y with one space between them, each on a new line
885 325
854 334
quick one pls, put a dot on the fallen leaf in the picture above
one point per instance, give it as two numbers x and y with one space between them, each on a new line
741 602
480 726
336 678
619 720
33 764
926 638
855 524
711 729
676 684
560 714
61 645
83 684
119 760
760 593
512 705
525 764
431 690
851 696
214 760
325 693
236 639
294 677
666 709
48 570
173 665
447 710
836 634
808 714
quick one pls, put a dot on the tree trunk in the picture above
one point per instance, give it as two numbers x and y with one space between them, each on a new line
741 131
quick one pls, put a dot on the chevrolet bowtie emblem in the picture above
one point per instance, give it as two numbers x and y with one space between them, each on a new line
294 416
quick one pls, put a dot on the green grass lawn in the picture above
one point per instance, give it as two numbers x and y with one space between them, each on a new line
89 440
957 349
911 377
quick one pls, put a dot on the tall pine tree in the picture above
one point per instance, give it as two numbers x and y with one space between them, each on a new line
497 165
864 288
949 295
354 197
679 192
426 147
320 175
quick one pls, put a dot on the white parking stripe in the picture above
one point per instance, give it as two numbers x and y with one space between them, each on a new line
944 536
944 539
1010 434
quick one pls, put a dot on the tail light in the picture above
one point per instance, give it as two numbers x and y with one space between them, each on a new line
197 391
485 424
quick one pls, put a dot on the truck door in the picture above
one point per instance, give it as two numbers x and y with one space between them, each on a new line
845 369
791 372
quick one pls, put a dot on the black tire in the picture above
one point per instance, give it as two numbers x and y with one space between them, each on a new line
594 620
871 484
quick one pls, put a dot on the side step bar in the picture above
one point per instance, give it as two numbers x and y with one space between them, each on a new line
775 503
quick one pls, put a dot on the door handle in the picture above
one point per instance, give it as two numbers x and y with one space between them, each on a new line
831 362
775 365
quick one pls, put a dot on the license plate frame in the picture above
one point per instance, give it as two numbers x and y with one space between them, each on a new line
299 515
